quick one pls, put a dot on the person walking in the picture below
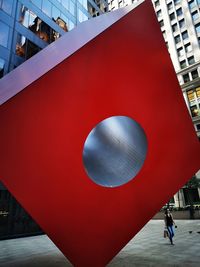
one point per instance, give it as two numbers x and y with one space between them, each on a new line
169 223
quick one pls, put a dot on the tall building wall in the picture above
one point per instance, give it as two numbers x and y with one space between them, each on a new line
27 26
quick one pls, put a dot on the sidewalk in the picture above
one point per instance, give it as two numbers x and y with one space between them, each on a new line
147 248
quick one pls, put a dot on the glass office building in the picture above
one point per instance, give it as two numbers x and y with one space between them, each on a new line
27 26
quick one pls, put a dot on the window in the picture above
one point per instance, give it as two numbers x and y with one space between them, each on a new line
177 39
157 3
174 27
158 13
184 35
38 3
180 51
46 7
164 34
7 6
194 74
198 92
161 23
195 15
169 6
55 13
2 66
25 48
191 4
188 48
183 64
182 23
191 60
179 12
191 95
172 16
176 2
197 27
4 32
195 111
186 78
72 8
198 127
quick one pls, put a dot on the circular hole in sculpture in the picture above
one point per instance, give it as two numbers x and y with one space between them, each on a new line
114 151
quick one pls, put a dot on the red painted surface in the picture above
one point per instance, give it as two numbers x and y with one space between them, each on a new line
124 71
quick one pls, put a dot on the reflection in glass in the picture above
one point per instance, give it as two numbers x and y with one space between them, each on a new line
7 6
25 48
46 7
39 27
38 3
4 32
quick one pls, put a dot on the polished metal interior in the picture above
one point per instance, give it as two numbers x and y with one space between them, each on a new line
115 151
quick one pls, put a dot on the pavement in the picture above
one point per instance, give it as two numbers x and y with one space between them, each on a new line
147 248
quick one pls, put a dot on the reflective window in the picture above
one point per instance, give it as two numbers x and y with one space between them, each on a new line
183 64
180 51
4 32
46 7
65 3
191 60
181 23
81 16
7 6
184 35
195 15
195 111
39 27
179 11
191 4
38 3
188 47
72 8
169 6
175 27
55 13
157 3
186 78
177 39
159 14
25 48
172 16
194 74
2 65
197 27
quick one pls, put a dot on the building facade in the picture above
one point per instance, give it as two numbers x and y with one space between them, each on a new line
180 25
27 26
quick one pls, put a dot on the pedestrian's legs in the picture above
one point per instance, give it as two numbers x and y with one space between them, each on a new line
171 233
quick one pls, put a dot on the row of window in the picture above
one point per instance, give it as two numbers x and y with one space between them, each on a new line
47 7
190 76
157 2
184 63
39 27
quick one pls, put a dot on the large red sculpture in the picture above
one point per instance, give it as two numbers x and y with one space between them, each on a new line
126 70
